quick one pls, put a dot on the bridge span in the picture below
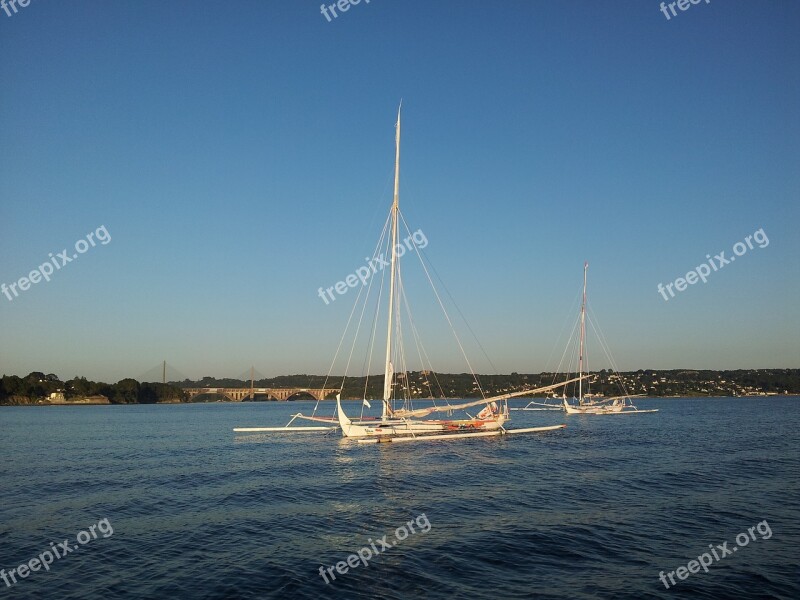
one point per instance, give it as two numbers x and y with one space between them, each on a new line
240 394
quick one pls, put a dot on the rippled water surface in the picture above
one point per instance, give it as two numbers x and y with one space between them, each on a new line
597 510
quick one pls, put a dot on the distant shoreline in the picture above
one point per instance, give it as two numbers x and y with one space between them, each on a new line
70 403
40 388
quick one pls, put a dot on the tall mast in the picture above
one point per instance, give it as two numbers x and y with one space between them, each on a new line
388 372
252 379
583 335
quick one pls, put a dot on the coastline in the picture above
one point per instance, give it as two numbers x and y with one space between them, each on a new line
95 402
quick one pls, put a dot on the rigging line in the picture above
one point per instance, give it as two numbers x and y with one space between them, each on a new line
426 362
378 304
570 344
401 348
401 342
416 336
438 384
366 365
573 358
414 331
588 383
380 202
604 345
368 356
398 349
358 330
420 346
567 318
455 304
429 364
601 337
447 316
344 334
435 375
363 309
427 358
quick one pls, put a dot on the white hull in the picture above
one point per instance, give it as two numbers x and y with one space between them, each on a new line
409 427
588 409
617 408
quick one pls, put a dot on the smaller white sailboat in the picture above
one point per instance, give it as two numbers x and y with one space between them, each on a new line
588 404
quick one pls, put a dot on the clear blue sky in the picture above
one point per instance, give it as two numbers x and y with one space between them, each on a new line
238 154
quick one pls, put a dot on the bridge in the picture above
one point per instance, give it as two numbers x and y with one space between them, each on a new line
240 394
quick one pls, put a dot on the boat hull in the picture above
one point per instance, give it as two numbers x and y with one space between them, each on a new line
409 427
618 408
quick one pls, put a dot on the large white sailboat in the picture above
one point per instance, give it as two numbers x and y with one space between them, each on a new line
399 419
406 422
588 404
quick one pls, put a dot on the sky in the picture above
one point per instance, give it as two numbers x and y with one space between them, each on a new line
236 157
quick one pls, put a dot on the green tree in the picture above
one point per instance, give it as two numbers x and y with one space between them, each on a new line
125 391
77 387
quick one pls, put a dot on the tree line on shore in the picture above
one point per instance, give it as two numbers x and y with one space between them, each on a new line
37 387
649 382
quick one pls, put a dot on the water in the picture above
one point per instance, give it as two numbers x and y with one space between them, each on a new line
593 511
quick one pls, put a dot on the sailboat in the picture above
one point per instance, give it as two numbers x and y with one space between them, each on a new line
399 420
404 424
587 404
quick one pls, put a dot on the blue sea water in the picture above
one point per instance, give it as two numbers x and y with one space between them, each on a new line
596 510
